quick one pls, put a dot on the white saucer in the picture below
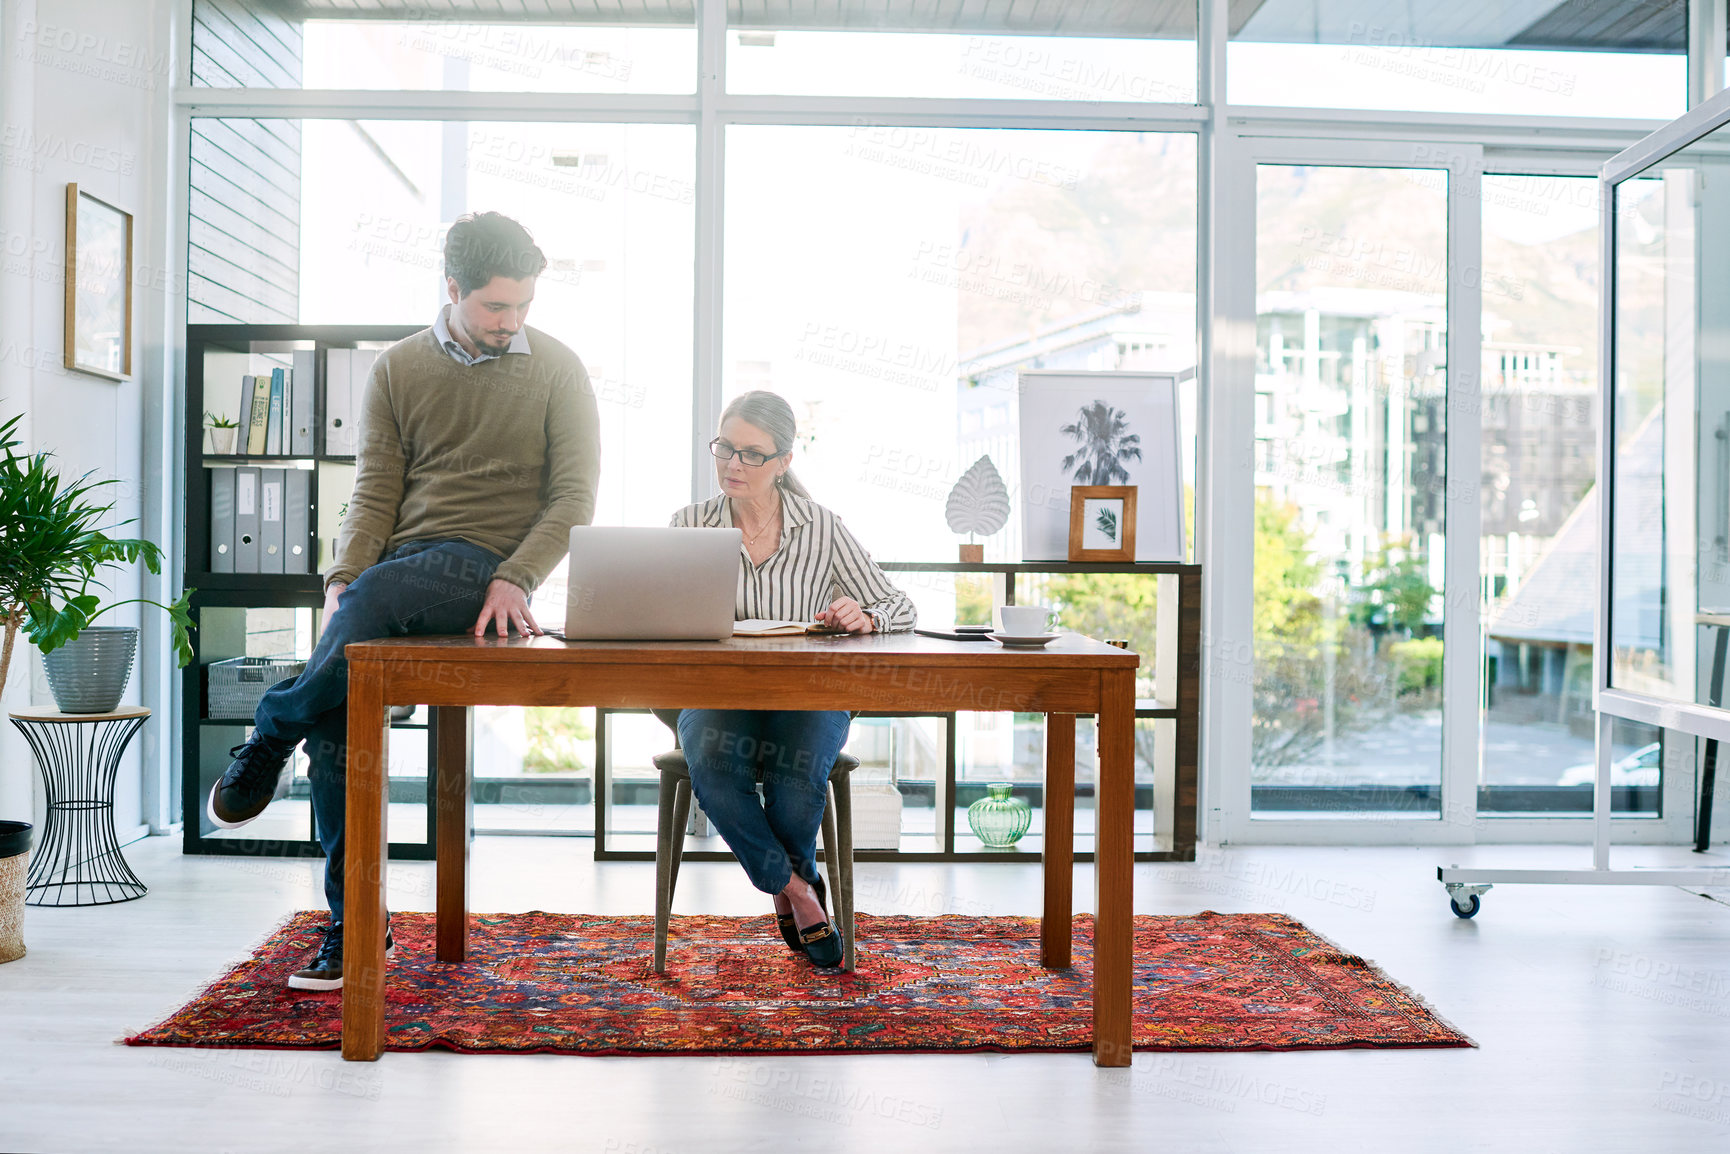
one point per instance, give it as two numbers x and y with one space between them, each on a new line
1027 641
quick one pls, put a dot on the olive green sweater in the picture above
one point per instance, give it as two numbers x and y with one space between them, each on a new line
504 454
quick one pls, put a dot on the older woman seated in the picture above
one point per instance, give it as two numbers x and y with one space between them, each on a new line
797 562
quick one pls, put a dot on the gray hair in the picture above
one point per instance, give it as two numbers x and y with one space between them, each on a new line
771 413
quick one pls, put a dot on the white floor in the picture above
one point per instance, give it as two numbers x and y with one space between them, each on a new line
1602 1015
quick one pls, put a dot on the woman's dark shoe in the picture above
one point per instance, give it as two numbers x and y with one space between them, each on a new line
822 944
790 928
789 932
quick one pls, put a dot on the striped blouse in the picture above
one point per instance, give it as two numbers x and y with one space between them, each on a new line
818 561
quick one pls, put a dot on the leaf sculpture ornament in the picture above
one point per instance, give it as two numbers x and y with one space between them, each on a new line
979 503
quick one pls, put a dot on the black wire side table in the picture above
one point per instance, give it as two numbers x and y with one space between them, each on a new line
78 861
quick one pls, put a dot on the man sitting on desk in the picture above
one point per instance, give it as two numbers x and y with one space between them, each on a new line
478 451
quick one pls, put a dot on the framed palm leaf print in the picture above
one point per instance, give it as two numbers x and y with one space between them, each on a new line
1092 429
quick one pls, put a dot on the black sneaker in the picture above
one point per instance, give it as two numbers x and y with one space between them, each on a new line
251 781
325 973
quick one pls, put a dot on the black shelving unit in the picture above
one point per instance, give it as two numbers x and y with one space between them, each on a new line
201 736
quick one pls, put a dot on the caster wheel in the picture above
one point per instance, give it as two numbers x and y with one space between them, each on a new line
1465 911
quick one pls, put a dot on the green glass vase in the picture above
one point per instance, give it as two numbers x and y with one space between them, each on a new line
1000 819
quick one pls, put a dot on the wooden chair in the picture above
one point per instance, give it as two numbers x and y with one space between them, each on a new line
674 812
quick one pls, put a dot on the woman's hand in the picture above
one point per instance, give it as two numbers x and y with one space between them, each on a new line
845 614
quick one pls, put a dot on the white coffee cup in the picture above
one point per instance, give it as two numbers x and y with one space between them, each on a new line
1024 620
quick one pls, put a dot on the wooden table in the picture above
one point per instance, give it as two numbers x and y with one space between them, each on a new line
879 672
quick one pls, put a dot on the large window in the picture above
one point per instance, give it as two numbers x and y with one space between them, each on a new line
891 282
341 222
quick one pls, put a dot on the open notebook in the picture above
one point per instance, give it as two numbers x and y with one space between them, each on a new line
757 627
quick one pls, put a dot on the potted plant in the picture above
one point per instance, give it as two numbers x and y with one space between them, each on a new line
51 551
221 433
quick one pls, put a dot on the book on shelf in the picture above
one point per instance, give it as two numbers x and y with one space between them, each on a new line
243 416
273 416
258 426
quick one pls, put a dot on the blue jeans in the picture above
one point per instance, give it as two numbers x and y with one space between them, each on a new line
792 752
420 587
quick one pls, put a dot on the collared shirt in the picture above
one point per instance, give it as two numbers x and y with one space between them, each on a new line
447 342
818 560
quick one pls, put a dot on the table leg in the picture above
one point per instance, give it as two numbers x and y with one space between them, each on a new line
1059 853
364 891
455 825
1114 872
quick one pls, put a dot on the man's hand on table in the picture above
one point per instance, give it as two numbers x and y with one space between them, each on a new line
506 606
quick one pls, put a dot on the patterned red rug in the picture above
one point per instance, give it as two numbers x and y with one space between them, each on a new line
575 983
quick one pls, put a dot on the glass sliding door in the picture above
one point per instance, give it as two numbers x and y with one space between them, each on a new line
1538 548
1350 489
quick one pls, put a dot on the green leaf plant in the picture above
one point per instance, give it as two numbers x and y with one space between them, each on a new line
51 552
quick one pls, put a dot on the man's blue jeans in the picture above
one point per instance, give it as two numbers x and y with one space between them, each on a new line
728 750
420 587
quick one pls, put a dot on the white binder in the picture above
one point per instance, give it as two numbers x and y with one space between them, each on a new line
221 520
338 418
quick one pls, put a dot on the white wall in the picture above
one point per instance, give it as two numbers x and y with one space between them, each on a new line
85 89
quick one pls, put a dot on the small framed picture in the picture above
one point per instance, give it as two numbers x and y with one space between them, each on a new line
98 286
1102 523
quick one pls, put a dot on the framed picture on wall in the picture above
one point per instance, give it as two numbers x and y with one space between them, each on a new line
1102 523
1093 429
98 286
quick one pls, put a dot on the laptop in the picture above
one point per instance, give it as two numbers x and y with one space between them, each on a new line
631 584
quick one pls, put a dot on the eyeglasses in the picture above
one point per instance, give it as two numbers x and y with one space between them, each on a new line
725 452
